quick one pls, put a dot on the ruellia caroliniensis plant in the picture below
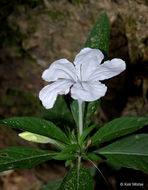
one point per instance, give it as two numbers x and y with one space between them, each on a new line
76 138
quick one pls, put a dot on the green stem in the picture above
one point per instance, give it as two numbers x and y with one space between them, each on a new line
78 171
80 117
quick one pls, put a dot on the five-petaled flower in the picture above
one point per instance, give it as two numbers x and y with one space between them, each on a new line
81 79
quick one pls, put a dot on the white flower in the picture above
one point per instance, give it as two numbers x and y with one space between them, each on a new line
81 78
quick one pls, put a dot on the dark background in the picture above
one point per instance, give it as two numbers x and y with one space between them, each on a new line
33 34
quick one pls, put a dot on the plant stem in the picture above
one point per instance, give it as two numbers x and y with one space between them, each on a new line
80 117
78 171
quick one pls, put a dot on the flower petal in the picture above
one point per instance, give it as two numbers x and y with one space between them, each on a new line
108 69
86 62
50 92
88 91
61 68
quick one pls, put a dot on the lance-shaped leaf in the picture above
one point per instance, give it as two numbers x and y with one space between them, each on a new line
65 156
70 148
91 107
21 157
67 153
130 152
99 36
68 163
36 125
41 139
59 114
118 127
53 185
77 178
92 156
98 39
85 133
75 111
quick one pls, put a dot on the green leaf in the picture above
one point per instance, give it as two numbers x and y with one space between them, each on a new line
21 157
53 185
59 114
40 139
37 126
72 136
70 148
75 180
99 36
85 133
92 156
68 163
64 156
118 127
90 110
75 111
68 153
130 152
